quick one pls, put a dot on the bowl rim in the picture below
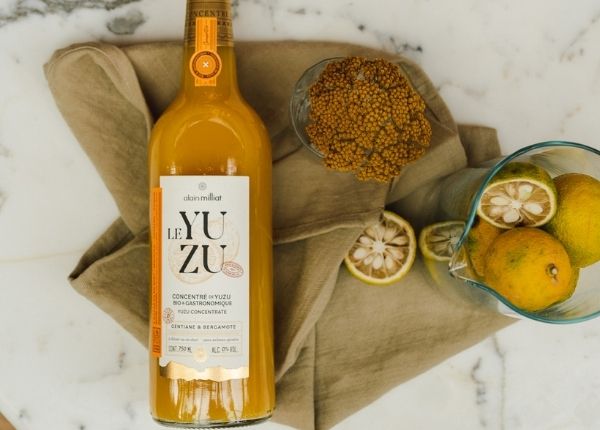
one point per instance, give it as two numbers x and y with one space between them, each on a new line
295 126
471 219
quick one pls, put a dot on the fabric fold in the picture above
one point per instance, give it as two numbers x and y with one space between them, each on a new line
98 276
339 343
97 91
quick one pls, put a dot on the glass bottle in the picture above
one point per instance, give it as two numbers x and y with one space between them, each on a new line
211 302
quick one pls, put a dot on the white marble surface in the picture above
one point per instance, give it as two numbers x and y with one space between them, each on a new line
531 69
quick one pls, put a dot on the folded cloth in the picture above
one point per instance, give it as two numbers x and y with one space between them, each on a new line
340 344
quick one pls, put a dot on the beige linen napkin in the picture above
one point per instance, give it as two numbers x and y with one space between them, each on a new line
339 343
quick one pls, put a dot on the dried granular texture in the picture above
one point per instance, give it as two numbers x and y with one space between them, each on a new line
366 118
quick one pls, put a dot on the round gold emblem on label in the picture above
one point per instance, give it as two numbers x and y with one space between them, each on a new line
205 64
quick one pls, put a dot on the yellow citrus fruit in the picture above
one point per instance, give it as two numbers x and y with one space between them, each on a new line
384 252
577 220
530 268
521 194
478 242
437 241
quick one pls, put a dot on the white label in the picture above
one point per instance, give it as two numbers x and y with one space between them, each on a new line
205 275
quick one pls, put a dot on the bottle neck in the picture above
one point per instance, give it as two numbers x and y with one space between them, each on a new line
208 50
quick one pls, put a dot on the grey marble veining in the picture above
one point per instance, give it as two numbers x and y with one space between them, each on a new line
24 415
488 378
390 42
21 9
576 47
480 389
126 24
501 355
4 151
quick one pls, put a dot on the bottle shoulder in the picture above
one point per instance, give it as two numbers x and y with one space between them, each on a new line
185 112
184 120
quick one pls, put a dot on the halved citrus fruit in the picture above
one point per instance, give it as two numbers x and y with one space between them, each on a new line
384 252
521 194
437 241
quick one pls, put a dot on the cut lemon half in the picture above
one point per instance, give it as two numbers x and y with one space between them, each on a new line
438 241
384 252
521 194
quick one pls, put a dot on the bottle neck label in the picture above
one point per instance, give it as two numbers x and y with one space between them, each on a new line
205 64
219 10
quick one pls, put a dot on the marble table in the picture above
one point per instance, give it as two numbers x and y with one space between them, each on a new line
530 69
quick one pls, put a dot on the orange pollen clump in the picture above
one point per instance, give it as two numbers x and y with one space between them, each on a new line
366 118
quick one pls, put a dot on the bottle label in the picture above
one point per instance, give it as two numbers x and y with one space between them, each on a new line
200 277
206 64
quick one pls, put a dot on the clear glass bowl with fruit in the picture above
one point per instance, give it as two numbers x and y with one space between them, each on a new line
530 243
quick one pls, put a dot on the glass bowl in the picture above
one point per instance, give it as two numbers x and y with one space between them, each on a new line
300 102
557 158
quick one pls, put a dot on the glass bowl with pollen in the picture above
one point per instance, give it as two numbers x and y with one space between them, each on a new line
300 102
360 115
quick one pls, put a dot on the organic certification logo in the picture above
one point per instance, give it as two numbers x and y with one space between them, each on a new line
168 316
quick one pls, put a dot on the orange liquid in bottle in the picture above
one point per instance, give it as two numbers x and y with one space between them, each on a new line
210 132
